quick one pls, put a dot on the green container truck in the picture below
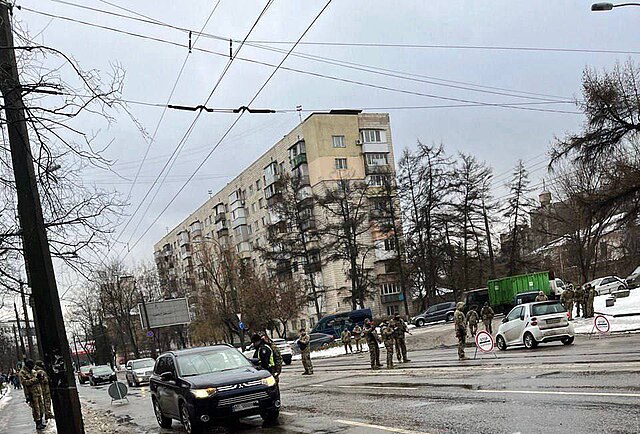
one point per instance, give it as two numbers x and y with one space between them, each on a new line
502 291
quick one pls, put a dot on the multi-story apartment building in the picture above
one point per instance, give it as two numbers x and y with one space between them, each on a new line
323 149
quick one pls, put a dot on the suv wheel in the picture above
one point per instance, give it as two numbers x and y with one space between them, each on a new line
449 317
270 416
529 341
419 322
568 341
164 422
190 425
500 342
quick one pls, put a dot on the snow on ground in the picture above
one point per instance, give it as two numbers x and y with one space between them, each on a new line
332 352
622 306
5 397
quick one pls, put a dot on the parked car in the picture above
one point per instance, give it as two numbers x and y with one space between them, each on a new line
101 374
608 284
532 323
83 373
285 350
206 385
139 371
633 281
317 341
437 312
525 297
334 324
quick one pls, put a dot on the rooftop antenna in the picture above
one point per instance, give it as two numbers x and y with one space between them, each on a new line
299 110
210 194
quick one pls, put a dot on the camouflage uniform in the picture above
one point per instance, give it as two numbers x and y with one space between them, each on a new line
33 391
346 341
541 297
389 340
399 329
357 337
567 301
578 300
46 391
487 317
472 321
371 335
460 324
305 350
590 298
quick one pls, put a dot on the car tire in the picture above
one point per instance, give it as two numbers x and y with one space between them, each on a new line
286 360
420 323
568 341
191 426
449 317
164 422
270 416
529 341
500 343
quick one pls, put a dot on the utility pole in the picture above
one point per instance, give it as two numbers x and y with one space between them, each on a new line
15 336
54 346
24 352
154 352
26 320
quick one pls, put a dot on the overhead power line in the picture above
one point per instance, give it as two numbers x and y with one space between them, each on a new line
235 122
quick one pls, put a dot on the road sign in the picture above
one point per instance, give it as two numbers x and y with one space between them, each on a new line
601 323
241 325
484 341
164 313
150 334
118 391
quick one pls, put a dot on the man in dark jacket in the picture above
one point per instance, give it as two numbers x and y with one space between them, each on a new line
263 353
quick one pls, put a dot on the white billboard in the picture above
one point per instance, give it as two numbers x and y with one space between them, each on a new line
164 313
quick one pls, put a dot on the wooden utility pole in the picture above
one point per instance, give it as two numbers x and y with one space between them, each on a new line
27 322
22 348
54 346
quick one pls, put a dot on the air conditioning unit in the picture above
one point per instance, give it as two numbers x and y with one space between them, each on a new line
359 142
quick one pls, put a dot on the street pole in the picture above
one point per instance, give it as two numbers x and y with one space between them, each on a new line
15 336
75 347
154 353
54 346
26 320
24 352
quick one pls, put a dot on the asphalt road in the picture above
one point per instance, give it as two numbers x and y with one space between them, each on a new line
592 386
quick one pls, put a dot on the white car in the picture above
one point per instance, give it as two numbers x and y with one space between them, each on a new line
532 323
608 284
139 371
283 346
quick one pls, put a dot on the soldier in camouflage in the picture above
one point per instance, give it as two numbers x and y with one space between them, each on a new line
578 300
305 349
46 391
31 383
472 321
345 337
388 337
399 330
567 301
541 296
371 335
591 295
487 317
460 324
357 337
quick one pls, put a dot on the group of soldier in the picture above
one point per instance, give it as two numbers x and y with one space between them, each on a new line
469 323
393 333
35 384
580 298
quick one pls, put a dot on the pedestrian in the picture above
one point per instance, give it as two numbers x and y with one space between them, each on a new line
46 391
590 299
487 315
399 331
472 321
345 336
578 300
277 357
541 296
460 324
357 337
263 353
371 335
31 382
305 350
566 298
388 337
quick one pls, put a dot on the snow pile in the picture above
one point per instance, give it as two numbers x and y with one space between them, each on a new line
331 352
622 306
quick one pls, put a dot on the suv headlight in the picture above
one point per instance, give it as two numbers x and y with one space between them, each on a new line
269 381
204 393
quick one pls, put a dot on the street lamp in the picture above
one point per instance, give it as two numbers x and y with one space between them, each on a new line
608 6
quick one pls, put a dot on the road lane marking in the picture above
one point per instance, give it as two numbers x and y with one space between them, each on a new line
288 413
378 427
367 387
554 392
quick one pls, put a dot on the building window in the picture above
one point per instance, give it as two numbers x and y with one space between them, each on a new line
389 288
377 180
377 159
261 203
255 225
250 229
389 244
253 207
393 310
372 136
341 163
257 185
264 221
338 142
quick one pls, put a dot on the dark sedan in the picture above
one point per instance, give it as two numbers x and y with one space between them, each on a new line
208 385
101 374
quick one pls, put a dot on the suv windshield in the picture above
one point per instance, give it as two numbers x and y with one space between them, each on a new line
215 360
143 364
546 309
85 369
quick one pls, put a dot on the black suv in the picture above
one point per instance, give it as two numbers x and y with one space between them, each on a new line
204 386
437 312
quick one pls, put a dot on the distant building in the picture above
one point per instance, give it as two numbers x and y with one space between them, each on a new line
324 149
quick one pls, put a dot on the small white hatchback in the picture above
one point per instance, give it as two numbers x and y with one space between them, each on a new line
532 323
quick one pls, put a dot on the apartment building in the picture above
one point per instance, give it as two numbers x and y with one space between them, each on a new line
323 149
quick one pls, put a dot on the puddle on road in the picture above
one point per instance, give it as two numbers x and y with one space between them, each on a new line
431 385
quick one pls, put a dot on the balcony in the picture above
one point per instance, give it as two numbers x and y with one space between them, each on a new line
298 160
391 298
308 225
274 198
185 255
303 181
304 193
220 217
239 221
270 178
313 267
375 148
183 238
376 169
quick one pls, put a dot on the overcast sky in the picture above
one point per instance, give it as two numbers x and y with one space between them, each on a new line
497 135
